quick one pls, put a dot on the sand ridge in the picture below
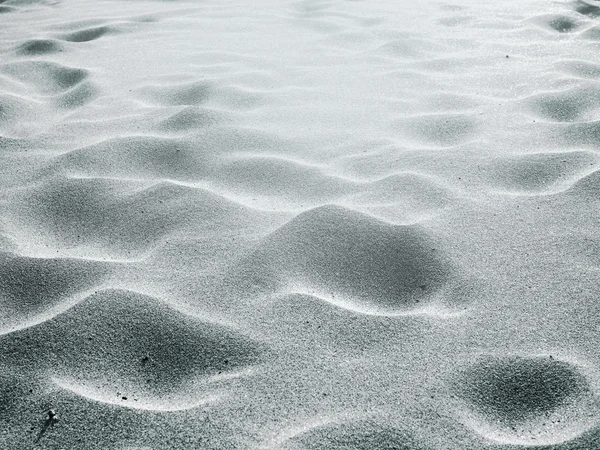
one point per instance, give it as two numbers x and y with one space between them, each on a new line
303 224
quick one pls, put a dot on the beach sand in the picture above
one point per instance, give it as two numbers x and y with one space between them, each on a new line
300 224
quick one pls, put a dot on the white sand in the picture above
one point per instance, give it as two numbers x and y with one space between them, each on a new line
315 224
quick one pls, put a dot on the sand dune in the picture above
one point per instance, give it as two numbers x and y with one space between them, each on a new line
334 252
358 435
303 224
517 400
143 349
31 287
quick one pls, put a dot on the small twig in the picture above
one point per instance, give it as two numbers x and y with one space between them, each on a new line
50 421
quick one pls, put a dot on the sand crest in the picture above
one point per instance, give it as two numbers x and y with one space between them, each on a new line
299 224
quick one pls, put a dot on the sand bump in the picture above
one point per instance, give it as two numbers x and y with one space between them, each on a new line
334 252
533 400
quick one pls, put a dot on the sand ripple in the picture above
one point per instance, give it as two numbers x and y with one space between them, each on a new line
304 224
129 349
334 252
531 400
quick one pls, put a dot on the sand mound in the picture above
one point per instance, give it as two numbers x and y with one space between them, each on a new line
116 219
40 92
27 2
444 130
284 183
563 24
278 178
524 400
584 133
365 435
137 157
38 47
587 8
181 95
541 172
126 348
30 286
592 34
88 34
587 187
189 118
582 69
47 77
335 252
78 96
566 105
13 110
408 192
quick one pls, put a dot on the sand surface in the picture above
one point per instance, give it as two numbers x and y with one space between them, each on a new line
300 224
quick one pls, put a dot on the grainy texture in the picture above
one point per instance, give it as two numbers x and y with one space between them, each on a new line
299 224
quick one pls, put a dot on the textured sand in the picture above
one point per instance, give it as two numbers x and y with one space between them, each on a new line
304 224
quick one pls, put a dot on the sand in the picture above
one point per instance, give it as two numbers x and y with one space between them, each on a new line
299 224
